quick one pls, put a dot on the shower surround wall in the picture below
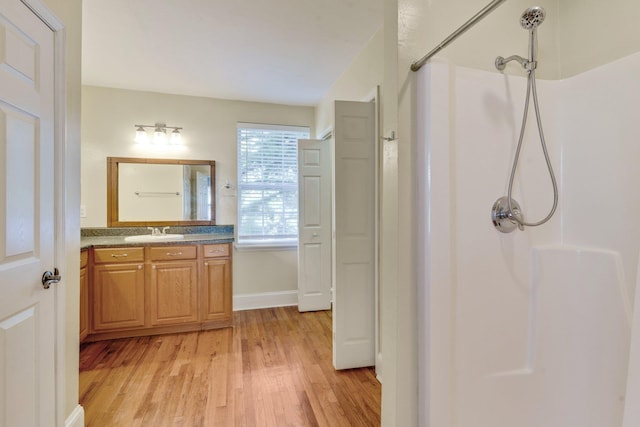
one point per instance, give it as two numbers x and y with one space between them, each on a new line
530 328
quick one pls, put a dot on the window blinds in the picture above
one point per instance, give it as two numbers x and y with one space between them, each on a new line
268 182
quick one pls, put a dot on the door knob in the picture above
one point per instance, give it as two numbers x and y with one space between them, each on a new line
49 278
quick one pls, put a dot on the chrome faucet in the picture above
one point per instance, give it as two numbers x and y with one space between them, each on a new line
154 231
164 230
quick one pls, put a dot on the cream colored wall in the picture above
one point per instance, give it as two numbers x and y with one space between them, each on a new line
577 35
594 33
394 390
70 13
209 134
357 82
423 25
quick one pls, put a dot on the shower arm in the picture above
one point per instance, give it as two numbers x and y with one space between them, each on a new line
501 63
527 64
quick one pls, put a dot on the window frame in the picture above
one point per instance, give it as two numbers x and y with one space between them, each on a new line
263 242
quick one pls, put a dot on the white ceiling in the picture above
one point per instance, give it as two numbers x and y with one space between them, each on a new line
280 51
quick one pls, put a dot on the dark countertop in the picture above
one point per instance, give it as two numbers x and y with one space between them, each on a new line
106 238
113 241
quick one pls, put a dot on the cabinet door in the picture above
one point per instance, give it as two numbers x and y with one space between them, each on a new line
118 296
174 293
84 303
216 298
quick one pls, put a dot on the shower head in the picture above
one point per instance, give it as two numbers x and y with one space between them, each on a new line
532 18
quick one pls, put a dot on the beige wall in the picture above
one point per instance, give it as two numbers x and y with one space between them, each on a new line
358 81
390 286
209 134
423 25
577 35
593 33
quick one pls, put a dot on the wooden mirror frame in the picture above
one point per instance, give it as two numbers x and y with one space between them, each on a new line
112 192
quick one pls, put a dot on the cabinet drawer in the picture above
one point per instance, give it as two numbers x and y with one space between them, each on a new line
219 250
165 253
113 255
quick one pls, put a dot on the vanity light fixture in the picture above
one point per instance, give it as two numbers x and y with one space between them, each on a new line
159 134
141 136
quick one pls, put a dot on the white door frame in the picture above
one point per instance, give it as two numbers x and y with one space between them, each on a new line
60 234
374 96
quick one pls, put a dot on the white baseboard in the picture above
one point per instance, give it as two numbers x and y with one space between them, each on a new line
76 419
265 300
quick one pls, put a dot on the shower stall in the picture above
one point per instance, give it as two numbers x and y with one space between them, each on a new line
534 327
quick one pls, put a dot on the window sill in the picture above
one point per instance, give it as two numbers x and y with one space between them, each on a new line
266 246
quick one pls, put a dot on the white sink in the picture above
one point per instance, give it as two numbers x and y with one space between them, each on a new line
156 238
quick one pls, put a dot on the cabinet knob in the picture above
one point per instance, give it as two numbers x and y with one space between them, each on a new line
206 264
140 267
153 266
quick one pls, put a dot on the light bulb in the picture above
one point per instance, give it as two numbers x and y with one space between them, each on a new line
141 136
176 137
159 136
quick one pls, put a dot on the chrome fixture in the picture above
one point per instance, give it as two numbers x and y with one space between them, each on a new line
156 193
392 137
155 231
530 20
505 219
49 278
159 134
457 33
506 210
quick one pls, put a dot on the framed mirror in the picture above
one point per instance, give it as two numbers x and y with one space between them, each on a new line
160 192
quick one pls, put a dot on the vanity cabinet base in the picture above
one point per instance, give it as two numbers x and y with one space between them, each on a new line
165 290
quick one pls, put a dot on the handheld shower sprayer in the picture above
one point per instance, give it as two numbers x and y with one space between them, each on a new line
506 213
530 20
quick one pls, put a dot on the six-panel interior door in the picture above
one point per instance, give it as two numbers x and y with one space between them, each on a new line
314 225
27 324
354 217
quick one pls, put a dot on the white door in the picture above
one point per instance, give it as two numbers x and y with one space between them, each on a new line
314 225
354 301
27 323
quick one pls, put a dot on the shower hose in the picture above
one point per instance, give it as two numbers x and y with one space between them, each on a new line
531 88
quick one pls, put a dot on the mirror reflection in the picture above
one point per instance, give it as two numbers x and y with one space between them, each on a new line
160 192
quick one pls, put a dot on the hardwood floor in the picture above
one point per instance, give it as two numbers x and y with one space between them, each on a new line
272 369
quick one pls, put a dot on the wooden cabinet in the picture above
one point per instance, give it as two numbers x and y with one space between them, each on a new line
118 289
84 295
216 284
174 285
160 289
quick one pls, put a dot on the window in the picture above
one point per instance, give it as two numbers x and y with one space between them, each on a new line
268 183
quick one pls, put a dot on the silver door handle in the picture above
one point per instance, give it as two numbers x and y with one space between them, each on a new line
49 278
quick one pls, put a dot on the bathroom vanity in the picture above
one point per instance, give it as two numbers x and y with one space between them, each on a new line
148 288
138 279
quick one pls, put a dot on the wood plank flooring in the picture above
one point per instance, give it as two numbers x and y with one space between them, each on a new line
272 369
